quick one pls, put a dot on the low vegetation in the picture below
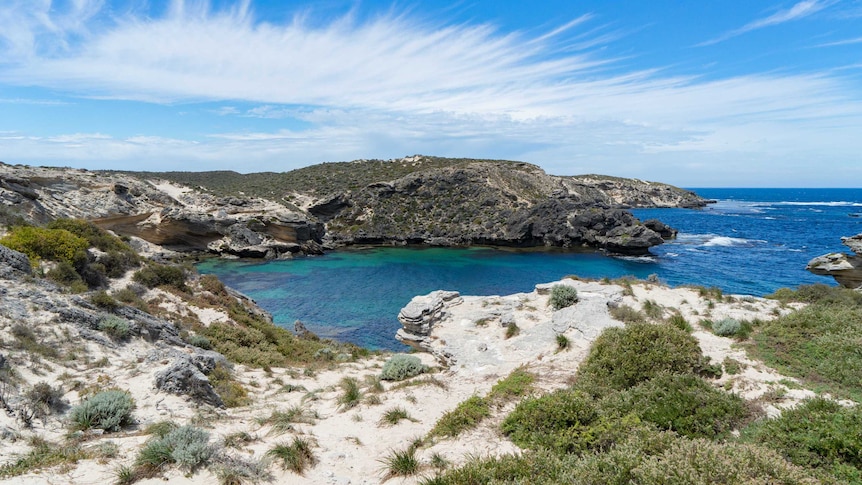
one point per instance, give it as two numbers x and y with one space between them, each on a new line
296 456
467 415
401 366
108 410
562 296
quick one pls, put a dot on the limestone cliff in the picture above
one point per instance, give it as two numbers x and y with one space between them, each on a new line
845 268
414 200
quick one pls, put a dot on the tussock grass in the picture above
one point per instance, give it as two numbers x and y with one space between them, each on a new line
467 415
296 456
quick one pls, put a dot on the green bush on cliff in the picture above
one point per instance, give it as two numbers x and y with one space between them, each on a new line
563 296
401 366
39 243
154 275
624 357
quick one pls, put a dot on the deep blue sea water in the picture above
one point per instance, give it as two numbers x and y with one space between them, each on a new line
753 241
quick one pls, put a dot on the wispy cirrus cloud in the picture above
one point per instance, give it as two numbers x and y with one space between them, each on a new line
394 85
855 40
798 11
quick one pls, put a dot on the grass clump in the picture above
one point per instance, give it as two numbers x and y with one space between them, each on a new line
563 296
297 456
517 384
44 454
563 342
393 416
624 357
401 463
467 415
679 321
652 309
351 395
402 366
512 330
282 421
233 394
108 410
733 366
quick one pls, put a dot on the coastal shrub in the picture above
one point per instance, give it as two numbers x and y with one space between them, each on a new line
627 314
108 410
117 328
236 470
467 415
563 296
44 399
65 274
199 341
231 391
44 454
402 366
818 433
678 321
623 357
700 461
818 293
818 344
187 446
683 403
726 327
40 243
296 456
154 275
652 309
104 301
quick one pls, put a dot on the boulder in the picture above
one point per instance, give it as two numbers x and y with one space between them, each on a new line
16 260
419 316
183 377
845 268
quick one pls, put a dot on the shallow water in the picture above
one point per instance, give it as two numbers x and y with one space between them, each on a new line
753 241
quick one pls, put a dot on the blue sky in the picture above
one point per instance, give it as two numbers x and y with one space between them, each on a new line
698 94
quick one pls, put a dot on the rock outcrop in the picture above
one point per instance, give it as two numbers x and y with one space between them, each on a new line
845 268
159 212
415 200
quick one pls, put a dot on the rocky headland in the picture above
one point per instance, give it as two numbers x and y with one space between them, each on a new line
415 200
845 268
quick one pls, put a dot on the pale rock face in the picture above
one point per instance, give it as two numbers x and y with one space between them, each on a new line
845 268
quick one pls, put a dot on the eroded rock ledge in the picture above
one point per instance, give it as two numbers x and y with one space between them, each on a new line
845 268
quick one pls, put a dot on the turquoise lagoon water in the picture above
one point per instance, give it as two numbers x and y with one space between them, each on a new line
753 241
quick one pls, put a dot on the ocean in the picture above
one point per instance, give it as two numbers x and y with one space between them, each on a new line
752 241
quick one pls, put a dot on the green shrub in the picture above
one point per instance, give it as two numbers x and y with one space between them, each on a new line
39 243
231 391
562 342
678 321
551 421
117 328
44 454
819 293
154 275
623 357
393 416
818 433
695 462
199 341
187 446
726 327
104 301
563 296
627 314
401 366
350 394
467 415
107 410
685 404
818 344
95 236
65 274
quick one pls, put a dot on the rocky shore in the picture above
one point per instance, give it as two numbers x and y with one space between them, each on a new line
415 200
845 268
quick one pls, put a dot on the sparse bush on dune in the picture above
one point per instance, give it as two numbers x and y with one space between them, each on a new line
401 366
563 296
108 410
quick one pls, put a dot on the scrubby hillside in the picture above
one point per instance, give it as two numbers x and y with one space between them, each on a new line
457 202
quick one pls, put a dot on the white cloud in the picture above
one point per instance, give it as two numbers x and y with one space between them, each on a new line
393 86
799 10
